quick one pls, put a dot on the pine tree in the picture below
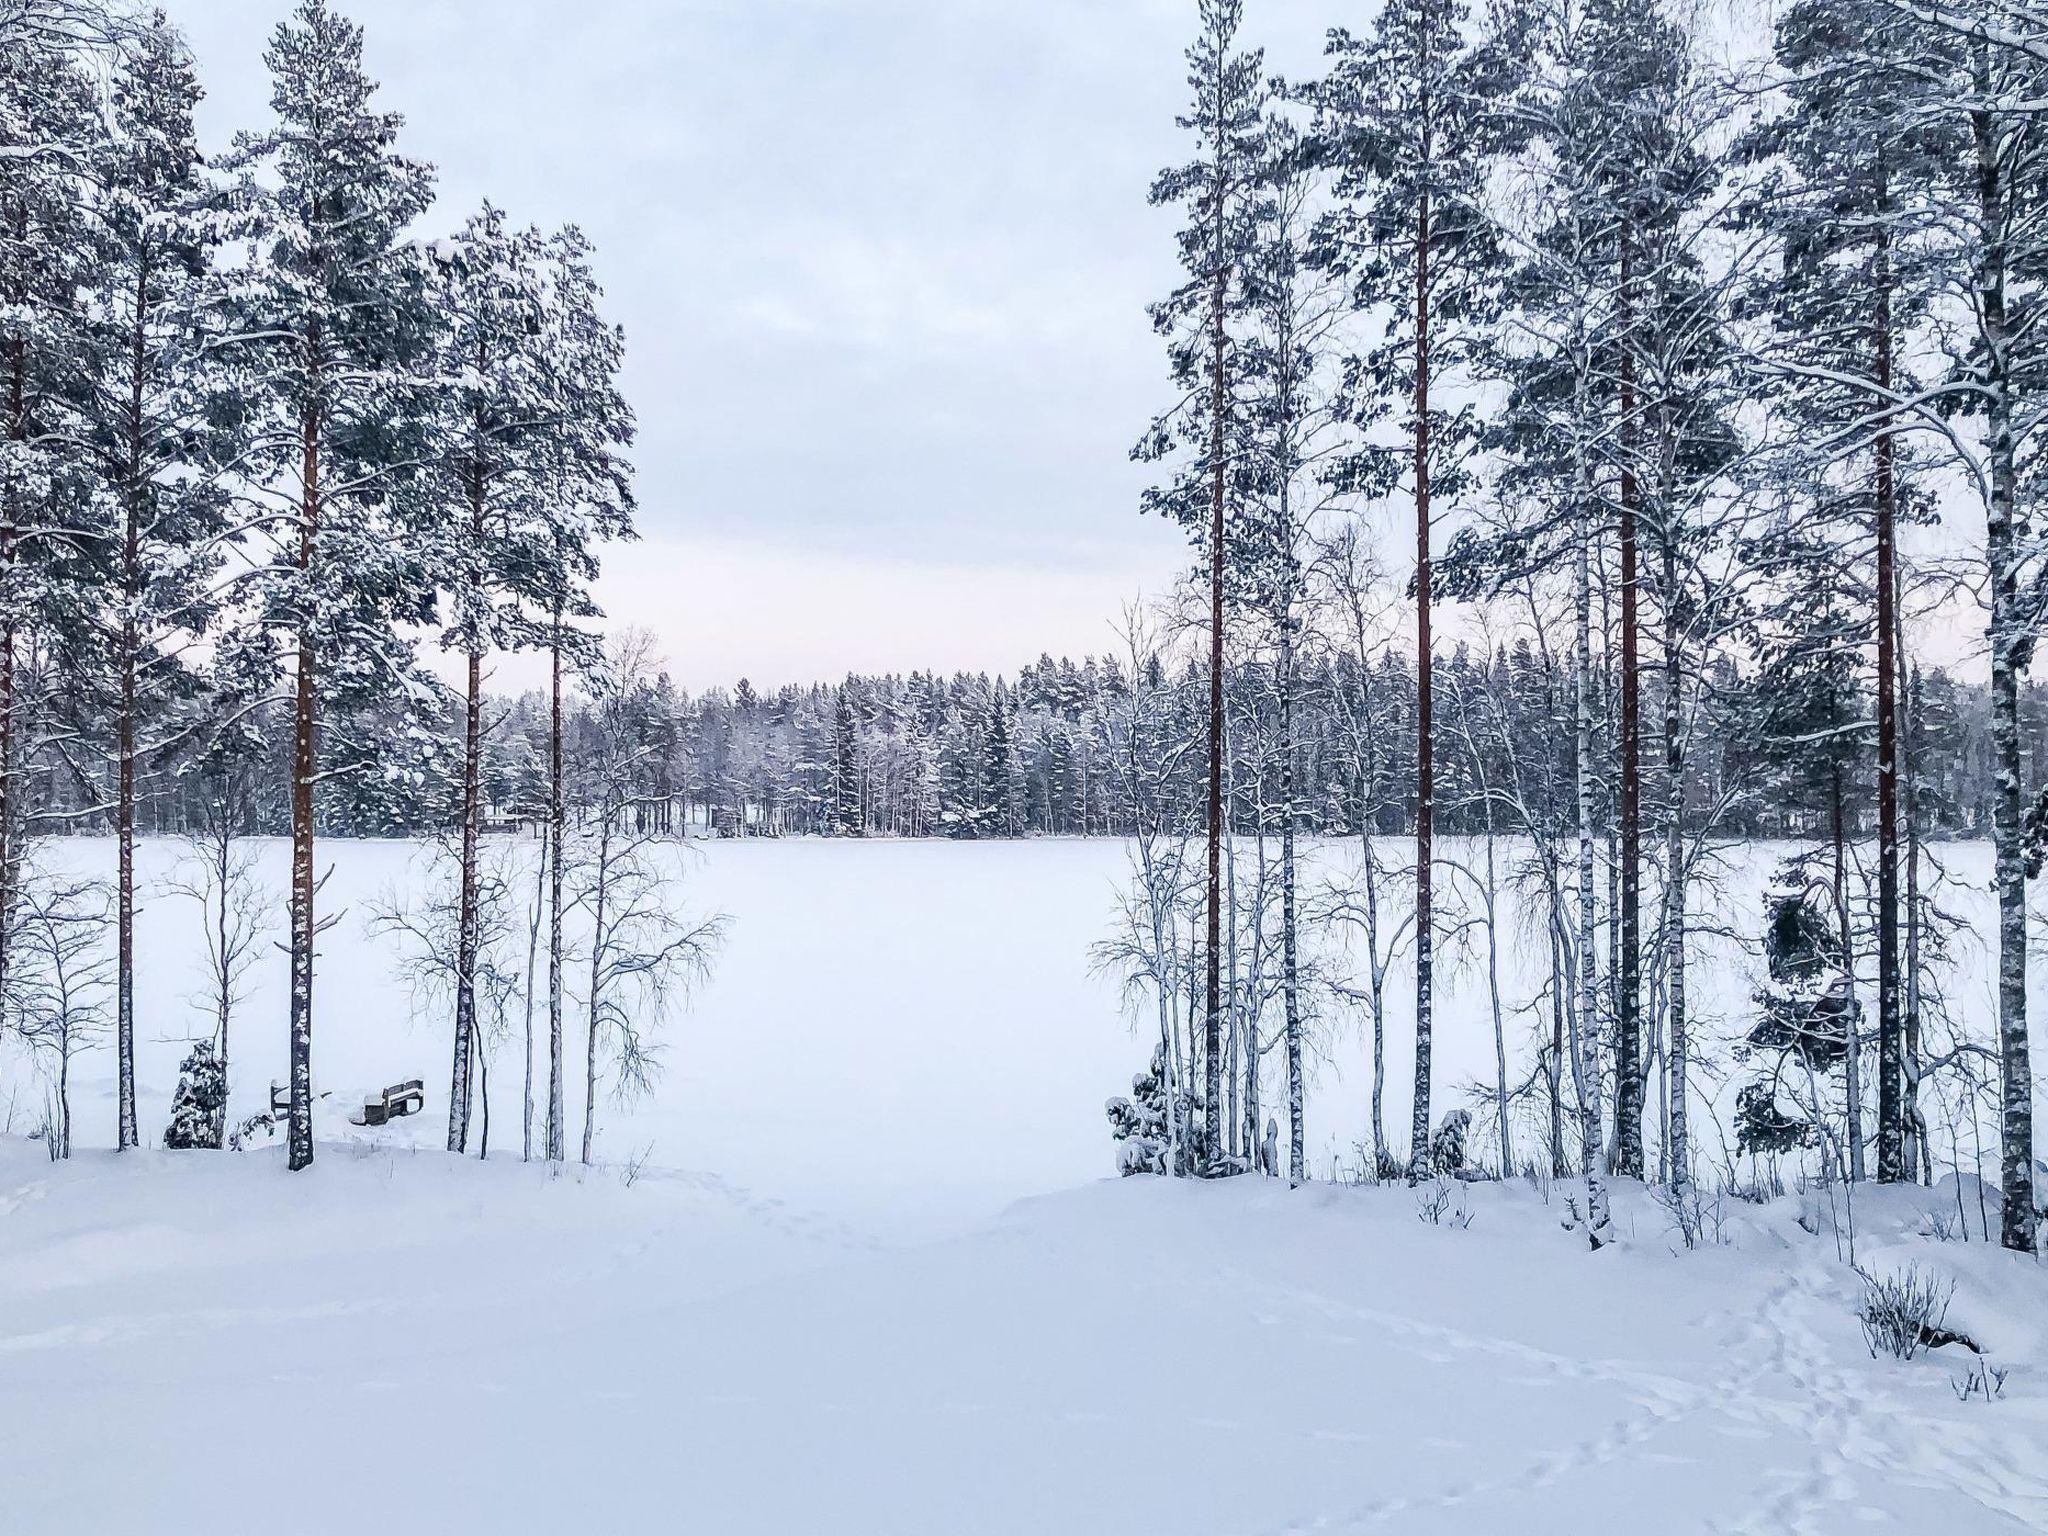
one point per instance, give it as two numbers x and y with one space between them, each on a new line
1294 434
1981 83
497 412
152 397
334 325
1409 116
1216 185
846 809
1848 149
585 497
49 131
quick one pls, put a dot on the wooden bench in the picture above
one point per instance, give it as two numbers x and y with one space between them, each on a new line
398 1100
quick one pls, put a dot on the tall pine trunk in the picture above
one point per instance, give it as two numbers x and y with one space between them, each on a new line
1585 1069
1628 1067
1891 1114
1678 1149
10 541
1425 773
466 896
1297 1171
1212 1025
124 728
556 829
304 759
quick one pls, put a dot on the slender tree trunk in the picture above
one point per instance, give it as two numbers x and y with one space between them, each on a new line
1919 1156
1585 1071
10 539
1628 1067
556 829
1297 1168
466 920
2009 645
597 948
304 930
1555 1075
1500 1041
1425 770
124 729
1852 1063
1891 1117
222 852
1212 1029
532 955
1678 1146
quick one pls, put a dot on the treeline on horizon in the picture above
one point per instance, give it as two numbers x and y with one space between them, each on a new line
971 756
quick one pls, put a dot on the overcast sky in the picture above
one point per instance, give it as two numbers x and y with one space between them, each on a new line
882 266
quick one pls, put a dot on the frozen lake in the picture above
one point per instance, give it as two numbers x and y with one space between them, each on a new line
898 1034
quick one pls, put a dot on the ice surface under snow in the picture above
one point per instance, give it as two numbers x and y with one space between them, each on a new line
870 1278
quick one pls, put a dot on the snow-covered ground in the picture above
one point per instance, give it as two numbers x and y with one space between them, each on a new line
196 1343
856 1268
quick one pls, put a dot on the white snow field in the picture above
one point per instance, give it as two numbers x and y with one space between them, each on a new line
857 1268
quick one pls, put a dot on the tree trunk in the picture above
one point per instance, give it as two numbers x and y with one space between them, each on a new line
1212 1028
10 537
1297 1170
466 896
1585 1071
597 947
304 760
1919 1156
1891 1116
532 954
1678 1147
124 730
556 829
1425 774
2009 646
1628 1068
1852 1063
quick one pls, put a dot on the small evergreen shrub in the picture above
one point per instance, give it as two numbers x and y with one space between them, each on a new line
199 1107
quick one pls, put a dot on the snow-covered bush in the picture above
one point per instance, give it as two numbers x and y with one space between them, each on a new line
1139 1126
1762 1127
199 1107
1447 1146
1905 1312
1807 1013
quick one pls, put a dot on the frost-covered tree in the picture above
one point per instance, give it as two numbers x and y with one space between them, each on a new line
1292 422
60 983
50 129
199 1104
644 954
218 874
332 329
846 796
151 419
497 412
1845 158
1198 437
586 497
1409 117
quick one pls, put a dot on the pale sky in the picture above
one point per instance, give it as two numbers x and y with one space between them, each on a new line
882 266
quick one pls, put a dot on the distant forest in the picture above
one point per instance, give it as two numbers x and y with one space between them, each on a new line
1047 753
